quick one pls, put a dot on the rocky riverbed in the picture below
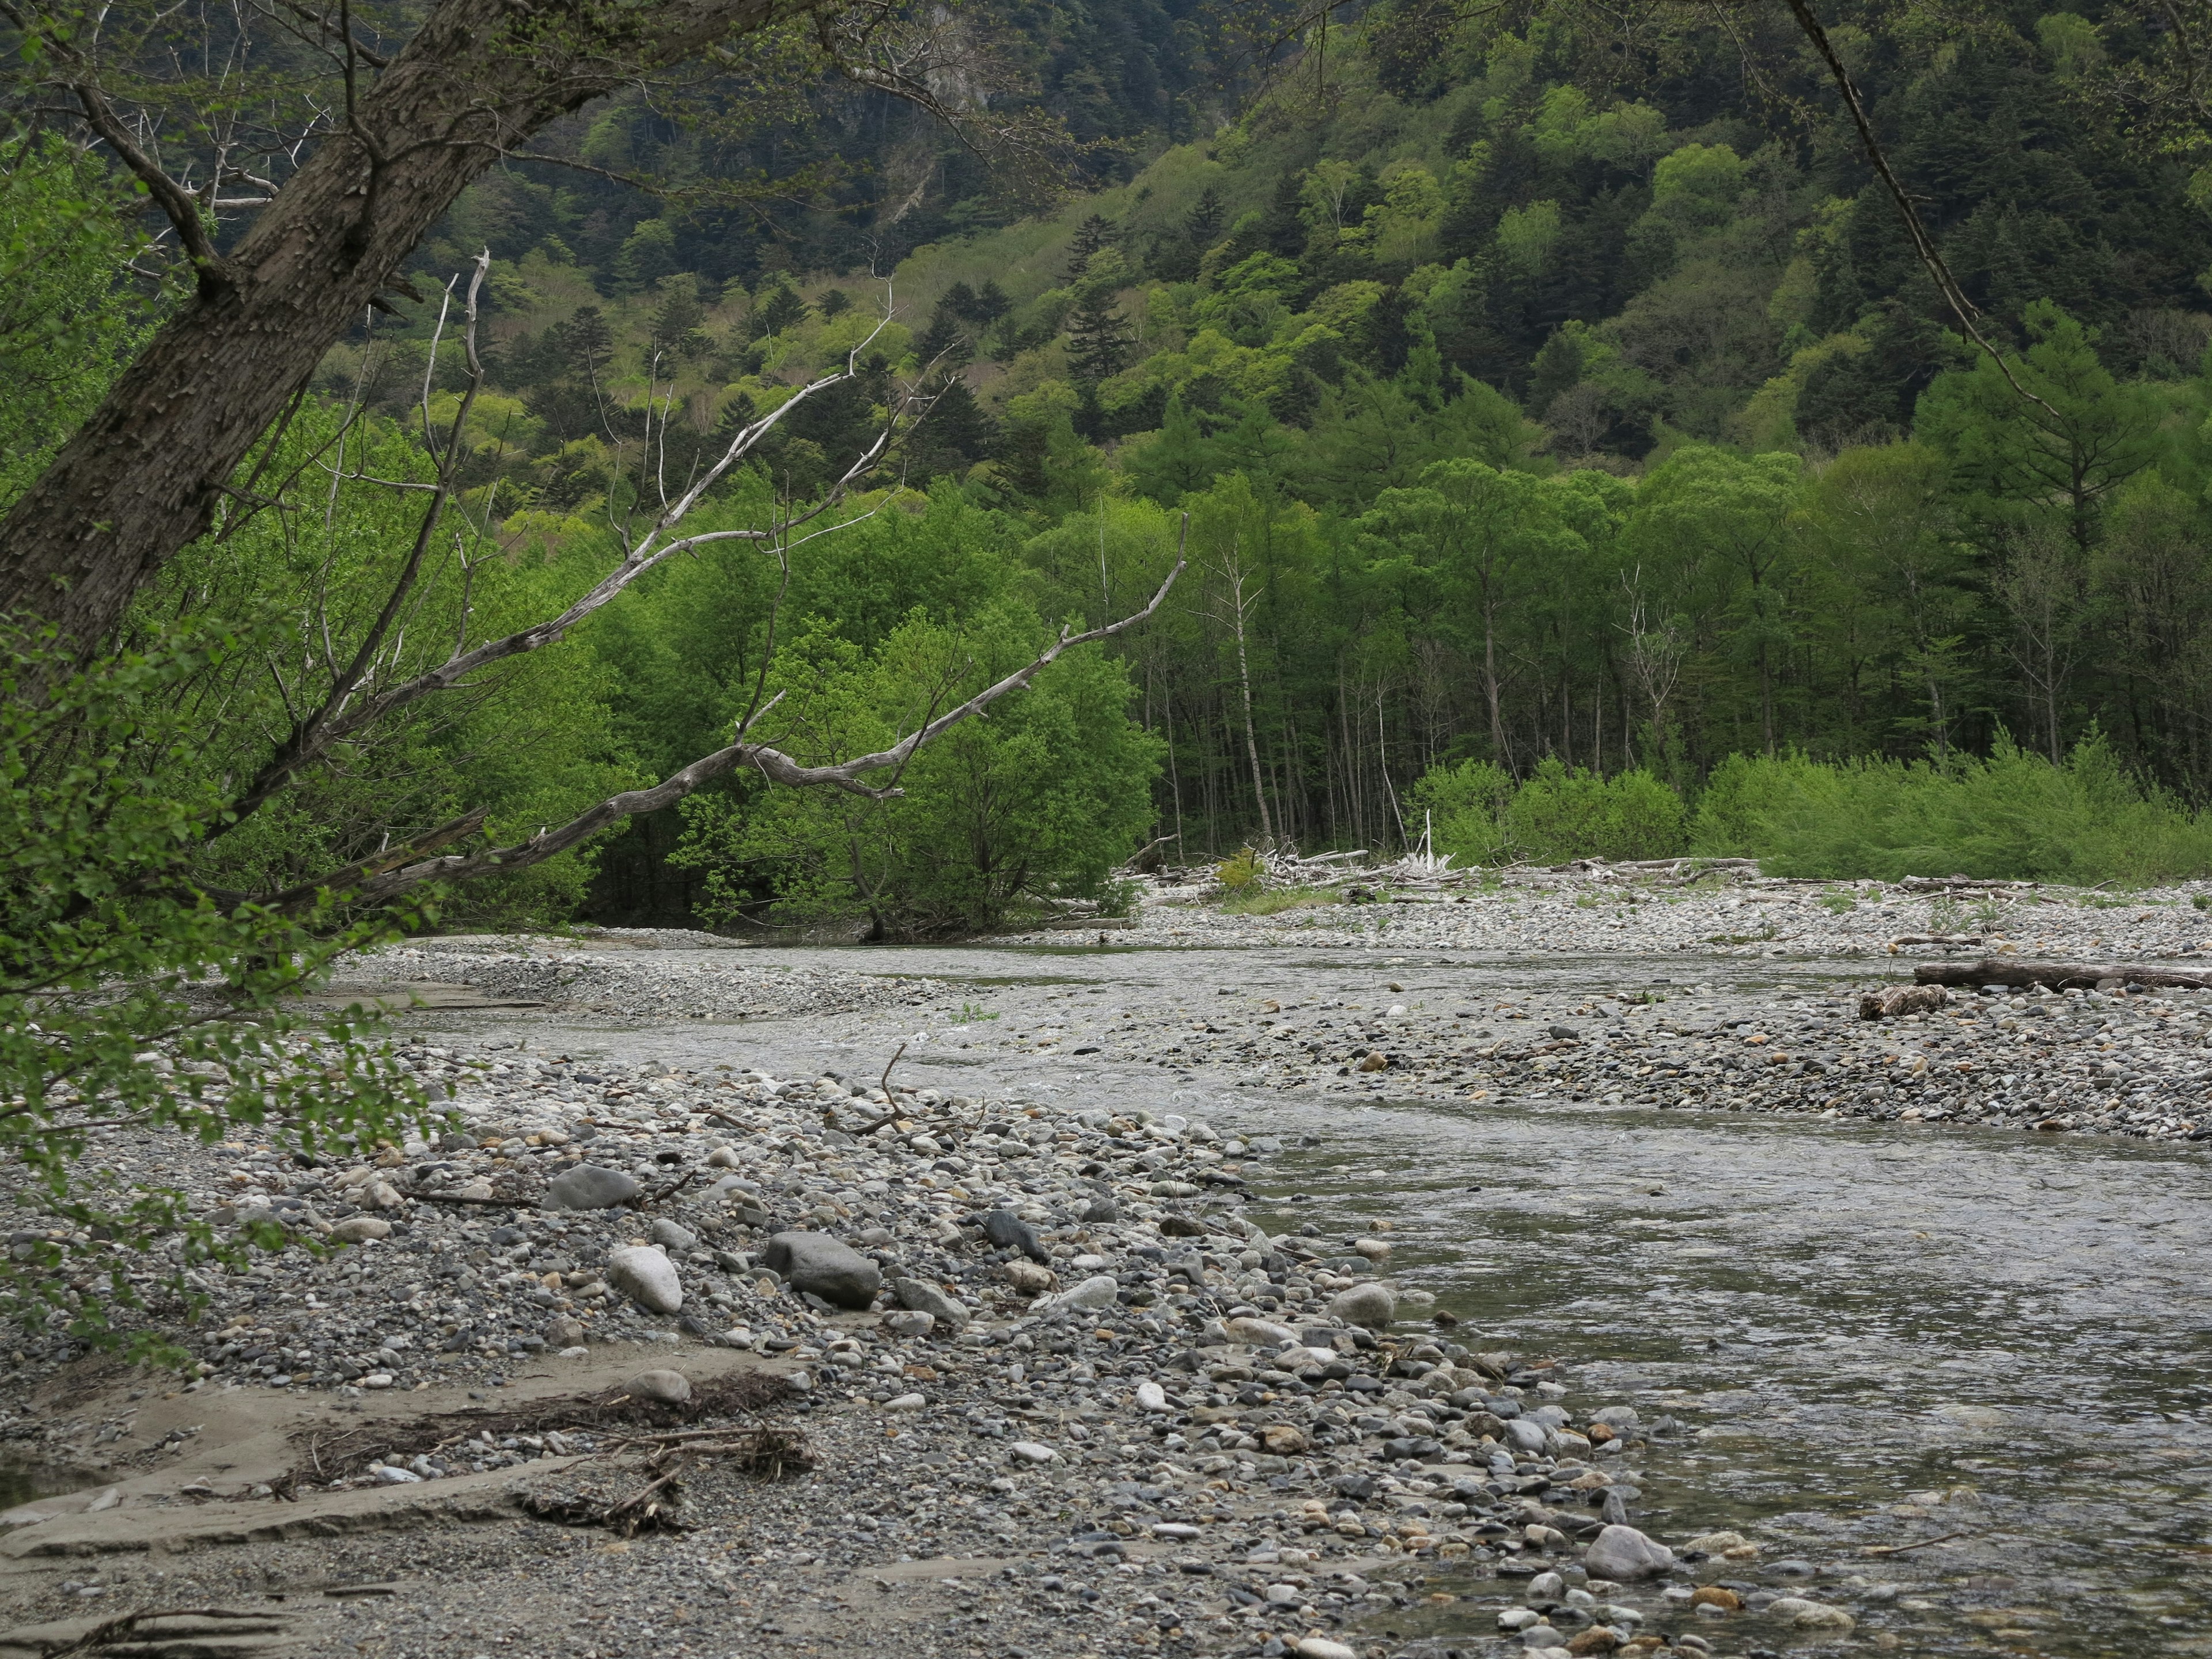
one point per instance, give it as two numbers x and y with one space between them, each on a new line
1123 1324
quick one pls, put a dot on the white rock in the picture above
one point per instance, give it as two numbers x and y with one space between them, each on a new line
1320 1647
906 1402
644 1273
1029 1452
1151 1397
396 1477
377 1380
1093 1295
1622 1553
1262 1333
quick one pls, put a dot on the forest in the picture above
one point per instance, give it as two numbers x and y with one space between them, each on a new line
1567 448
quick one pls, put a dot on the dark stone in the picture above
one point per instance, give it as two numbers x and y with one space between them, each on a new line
1010 1232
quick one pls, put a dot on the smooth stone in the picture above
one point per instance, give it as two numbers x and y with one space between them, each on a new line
818 1264
1028 1278
924 1297
1623 1554
906 1402
909 1322
1093 1295
1375 1249
1370 1305
1102 1209
670 1388
1526 1436
564 1333
588 1186
377 1380
1010 1232
1320 1647
1809 1615
1030 1452
360 1229
1261 1333
644 1274
1515 1619
1546 1587
396 1477
1151 1397
670 1236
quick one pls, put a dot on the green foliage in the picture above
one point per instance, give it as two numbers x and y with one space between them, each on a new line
2014 816
1038 800
1560 812
128 993
1242 873
71 311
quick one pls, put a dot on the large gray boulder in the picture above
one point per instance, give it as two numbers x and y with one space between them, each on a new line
924 1297
829 1267
588 1186
1624 1555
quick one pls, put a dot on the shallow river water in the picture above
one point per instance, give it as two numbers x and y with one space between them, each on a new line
1994 1347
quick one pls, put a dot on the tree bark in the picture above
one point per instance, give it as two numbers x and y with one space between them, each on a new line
145 474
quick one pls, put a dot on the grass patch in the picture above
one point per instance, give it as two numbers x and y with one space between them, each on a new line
1275 900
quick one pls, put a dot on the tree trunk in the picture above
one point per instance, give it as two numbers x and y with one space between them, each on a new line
144 475
2057 975
1251 735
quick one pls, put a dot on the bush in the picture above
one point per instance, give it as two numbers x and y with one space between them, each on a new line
2013 817
1479 815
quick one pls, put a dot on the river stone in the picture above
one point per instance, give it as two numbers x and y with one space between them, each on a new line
1093 1295
669 1388
670 1236
1623 1554
909 1321
1809 1615
644 1273
1261 1333
360 1229
1371 1305
1028 1278
1320 1647
924 1297
819 1265
1030 1451
1010 1232
564 1333
588 1186
1151 1397
1101 1209
1526 1436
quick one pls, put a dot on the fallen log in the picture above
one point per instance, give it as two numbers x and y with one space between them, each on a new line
2060 975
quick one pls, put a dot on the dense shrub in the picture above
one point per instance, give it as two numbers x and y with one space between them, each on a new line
2014 816
1561 813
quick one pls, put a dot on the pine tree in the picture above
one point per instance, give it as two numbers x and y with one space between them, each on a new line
1098 340
1093 235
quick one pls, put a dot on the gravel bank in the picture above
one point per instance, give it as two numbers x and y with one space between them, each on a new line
1041 1336
615 976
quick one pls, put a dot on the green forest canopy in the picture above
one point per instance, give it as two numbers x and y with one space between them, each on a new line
1539 407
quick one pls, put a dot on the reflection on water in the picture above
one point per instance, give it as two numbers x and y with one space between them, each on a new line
23 1483
1883 1334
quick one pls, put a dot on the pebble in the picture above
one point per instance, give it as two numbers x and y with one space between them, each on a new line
360 1229
1370 1305
1151 1397
1093 1295
1030 1451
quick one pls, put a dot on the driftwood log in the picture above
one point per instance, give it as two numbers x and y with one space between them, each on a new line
2059 976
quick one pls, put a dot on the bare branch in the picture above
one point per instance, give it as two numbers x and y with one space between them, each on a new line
1923 243
182 211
